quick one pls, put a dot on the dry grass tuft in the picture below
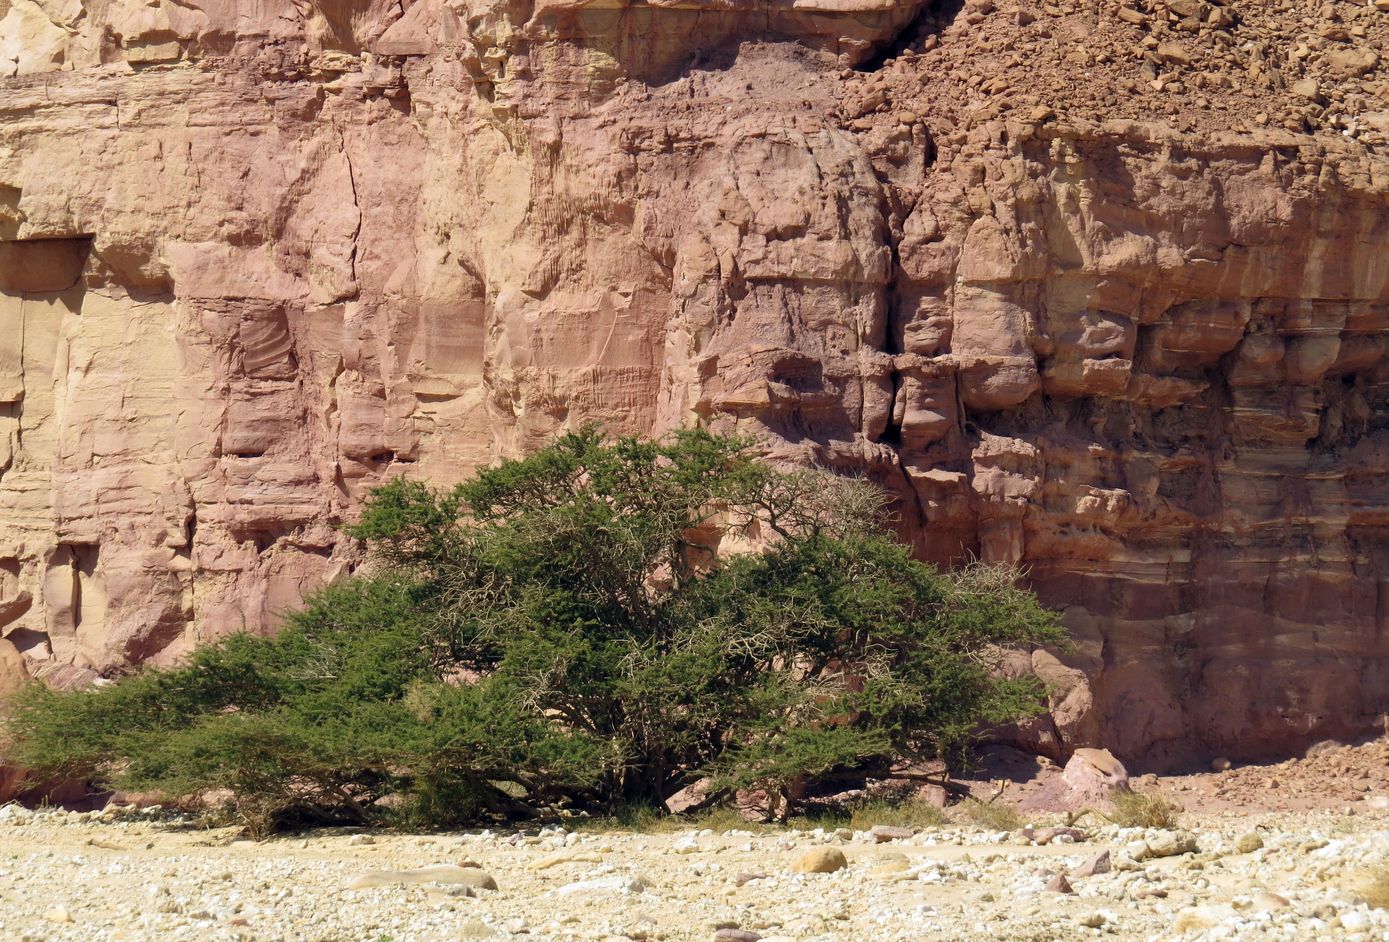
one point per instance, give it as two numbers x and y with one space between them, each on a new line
908 813
644 819
722 818
992 816
1142 810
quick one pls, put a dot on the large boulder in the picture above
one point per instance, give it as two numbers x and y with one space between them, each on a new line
1091 774
1088 779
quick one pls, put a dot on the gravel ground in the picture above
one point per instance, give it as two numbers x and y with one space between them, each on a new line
116 875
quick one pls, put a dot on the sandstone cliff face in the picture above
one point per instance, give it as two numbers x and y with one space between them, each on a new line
254 258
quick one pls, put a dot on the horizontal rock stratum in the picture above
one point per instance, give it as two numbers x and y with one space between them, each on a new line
1099 290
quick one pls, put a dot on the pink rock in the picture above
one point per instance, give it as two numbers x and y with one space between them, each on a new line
1087 780
1096 865
1046 835
688 797
1094 773
240 288
883 833
933 795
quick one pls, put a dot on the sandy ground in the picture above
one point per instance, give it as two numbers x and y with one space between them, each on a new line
1295 876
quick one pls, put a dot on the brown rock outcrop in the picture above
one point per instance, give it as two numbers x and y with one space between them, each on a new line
255 259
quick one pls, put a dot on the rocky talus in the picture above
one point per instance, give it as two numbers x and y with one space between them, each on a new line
1098 289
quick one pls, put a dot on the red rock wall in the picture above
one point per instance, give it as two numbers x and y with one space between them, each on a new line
255 258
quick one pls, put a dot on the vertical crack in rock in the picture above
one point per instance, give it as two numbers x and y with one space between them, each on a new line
357 227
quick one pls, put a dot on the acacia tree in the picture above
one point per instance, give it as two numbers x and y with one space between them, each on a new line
570 628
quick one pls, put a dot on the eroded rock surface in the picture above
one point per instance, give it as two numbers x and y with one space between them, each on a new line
254 259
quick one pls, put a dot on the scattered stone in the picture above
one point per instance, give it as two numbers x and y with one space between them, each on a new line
1054 835
613 884
1249 842
1200 918
890 867
883 833
559 859
1354 920
1352 63
441 895
736 935
1307 88
441 873
820 860
1300 892
1170 844
1268 902
1174 53
1095 866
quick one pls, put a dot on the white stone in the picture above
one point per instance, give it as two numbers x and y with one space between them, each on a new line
617 883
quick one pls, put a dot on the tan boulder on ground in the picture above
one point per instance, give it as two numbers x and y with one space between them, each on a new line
820 860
